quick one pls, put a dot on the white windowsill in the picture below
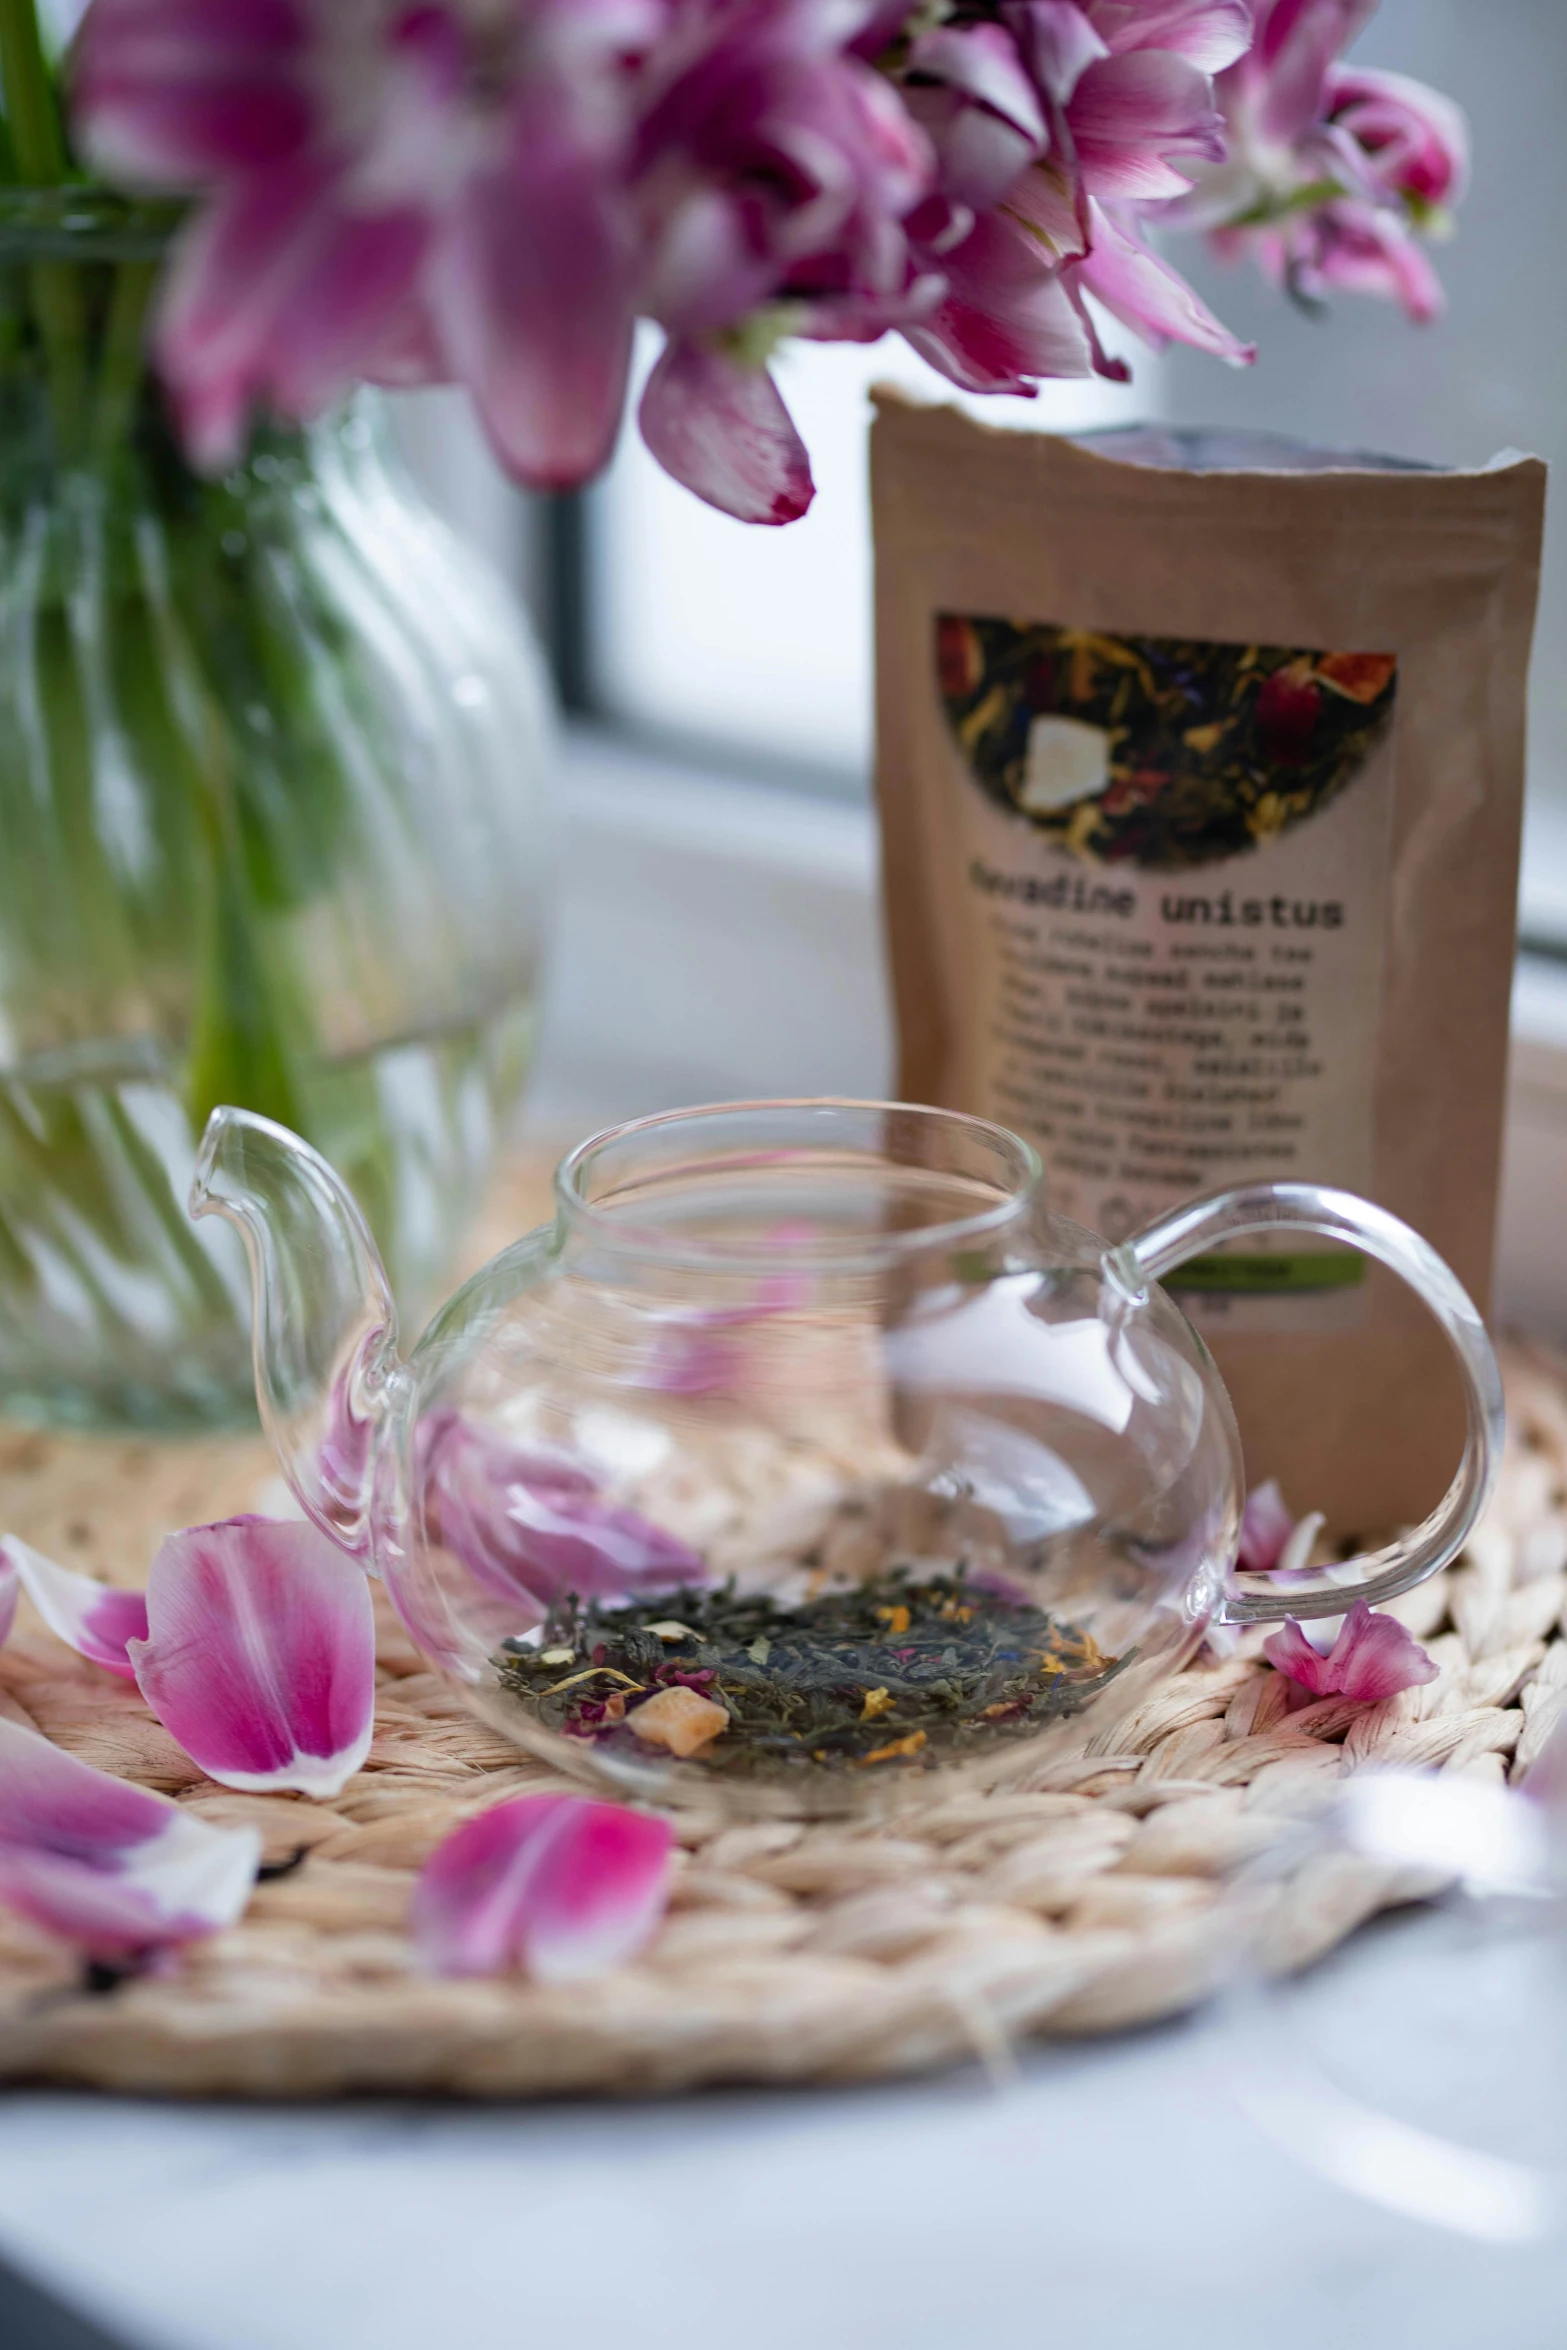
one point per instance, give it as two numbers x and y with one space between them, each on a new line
721 939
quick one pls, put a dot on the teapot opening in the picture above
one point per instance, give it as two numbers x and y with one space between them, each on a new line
830 1185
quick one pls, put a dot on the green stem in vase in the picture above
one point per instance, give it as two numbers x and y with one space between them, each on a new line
242 1046
32 116
239 1051
38 146
122 369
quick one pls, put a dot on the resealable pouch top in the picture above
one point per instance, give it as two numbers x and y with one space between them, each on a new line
1200 768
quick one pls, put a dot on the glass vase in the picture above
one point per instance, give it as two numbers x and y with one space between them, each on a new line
273 831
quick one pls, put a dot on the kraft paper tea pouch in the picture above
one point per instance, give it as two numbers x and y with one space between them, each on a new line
1200 765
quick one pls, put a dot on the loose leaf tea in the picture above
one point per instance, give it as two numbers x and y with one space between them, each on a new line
897 1670
1155 751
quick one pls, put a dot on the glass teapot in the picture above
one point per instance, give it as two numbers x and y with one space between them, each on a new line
805 1451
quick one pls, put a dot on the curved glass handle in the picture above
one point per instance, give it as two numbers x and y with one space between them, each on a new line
1338 1215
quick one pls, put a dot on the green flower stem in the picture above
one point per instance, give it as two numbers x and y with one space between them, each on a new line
38 146
29 97
122 367
243 1045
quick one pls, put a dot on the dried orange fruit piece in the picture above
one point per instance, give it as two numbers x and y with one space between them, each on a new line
681 1720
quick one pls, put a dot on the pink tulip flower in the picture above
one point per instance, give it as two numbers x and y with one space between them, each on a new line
553 1884
1410 139
119 1872
365 170
260 1654
1332 171
493 191
1373 1657
1052 124
773 172
90 1617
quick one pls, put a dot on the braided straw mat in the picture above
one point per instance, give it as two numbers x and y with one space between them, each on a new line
823 1952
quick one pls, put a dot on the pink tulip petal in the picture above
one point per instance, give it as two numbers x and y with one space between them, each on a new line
1150 297
1291 1653
1417 141
342 306
111 1867
53 1801
1058 40
230 274
722 429
1211 34
260 1658
94 1620
554 1884
10 1588
173 92
1362 250
529 1525
279 293
537 319
1297 42
1130 114
1007 318
884 21
1049 202
702 271
704 1352
1372 1658
1266 1526
558 1543
214 420
696 1361
982 62
981 156
410 354
163 137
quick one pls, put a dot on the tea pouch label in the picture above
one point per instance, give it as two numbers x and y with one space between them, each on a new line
1200 767
1174 882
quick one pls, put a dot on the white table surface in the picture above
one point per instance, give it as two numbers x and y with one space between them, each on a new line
1114 2197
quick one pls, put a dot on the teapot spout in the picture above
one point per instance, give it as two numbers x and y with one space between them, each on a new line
325 1331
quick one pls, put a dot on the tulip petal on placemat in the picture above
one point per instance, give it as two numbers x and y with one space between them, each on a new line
1372 1658
554 1884
90 1617
119 1871
260 1655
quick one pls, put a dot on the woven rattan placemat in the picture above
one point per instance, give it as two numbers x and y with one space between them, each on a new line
790 1953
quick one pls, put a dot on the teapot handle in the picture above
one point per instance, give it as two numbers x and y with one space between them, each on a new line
1338 1215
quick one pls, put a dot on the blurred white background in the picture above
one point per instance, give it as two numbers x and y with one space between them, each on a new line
761 639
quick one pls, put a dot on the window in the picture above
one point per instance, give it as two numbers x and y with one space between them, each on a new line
759 641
